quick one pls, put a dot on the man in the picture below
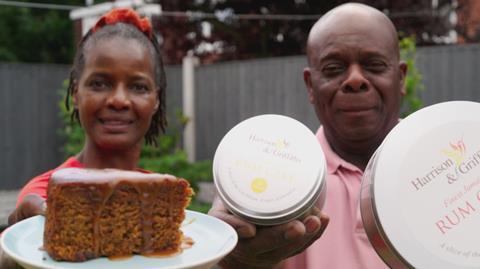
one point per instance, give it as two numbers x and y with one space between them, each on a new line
355 81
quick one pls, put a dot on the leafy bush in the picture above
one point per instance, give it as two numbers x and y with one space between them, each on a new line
167 157
413 81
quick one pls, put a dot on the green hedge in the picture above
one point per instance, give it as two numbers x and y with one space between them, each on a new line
413 81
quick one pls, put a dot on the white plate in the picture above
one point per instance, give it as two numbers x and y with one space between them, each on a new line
213 240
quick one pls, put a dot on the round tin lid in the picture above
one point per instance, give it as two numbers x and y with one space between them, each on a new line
426 186
269 167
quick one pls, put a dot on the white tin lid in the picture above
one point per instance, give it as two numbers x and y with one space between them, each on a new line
269 169
425 187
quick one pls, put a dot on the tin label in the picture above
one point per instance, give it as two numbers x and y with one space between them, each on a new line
268 164
442 191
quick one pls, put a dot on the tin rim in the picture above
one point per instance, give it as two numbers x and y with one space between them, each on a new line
280 216
371 222
283 213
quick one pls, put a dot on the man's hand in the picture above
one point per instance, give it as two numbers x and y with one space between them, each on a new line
31 205
265 247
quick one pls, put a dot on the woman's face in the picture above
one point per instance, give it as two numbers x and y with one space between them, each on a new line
116 95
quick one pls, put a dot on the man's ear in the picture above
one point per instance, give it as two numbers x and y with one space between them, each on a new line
403 69
307 78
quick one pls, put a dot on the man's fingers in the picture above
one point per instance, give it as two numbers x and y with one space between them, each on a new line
325 220
265 246
274 237
298 245
285 234
243 228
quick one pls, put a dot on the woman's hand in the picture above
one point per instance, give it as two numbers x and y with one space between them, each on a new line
31 205
265 247
6 262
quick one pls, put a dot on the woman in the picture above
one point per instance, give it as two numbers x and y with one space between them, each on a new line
117 86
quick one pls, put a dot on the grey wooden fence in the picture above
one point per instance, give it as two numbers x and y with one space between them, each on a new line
230 92
226 93
450 73
28 120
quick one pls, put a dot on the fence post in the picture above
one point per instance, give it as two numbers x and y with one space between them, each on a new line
188 90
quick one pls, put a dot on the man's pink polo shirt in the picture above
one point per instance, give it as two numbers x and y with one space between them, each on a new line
344 244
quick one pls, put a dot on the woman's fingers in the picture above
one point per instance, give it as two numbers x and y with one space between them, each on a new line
32 205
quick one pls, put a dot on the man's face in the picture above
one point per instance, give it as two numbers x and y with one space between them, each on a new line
355 80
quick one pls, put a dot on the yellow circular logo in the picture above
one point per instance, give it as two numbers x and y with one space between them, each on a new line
259 185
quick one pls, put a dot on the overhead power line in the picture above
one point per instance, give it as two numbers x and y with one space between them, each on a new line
38 5
233 16
221 15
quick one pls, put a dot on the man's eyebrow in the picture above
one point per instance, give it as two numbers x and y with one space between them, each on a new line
331 54
374 54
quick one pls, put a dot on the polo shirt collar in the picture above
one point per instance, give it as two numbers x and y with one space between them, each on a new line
334 162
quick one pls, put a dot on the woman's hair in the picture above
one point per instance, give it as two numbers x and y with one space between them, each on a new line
127 24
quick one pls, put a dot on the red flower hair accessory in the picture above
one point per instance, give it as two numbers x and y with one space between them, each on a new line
125 15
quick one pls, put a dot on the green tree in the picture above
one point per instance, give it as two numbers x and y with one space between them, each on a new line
233 38
36 35
413 81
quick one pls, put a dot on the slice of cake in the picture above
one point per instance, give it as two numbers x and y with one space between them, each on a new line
114 213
